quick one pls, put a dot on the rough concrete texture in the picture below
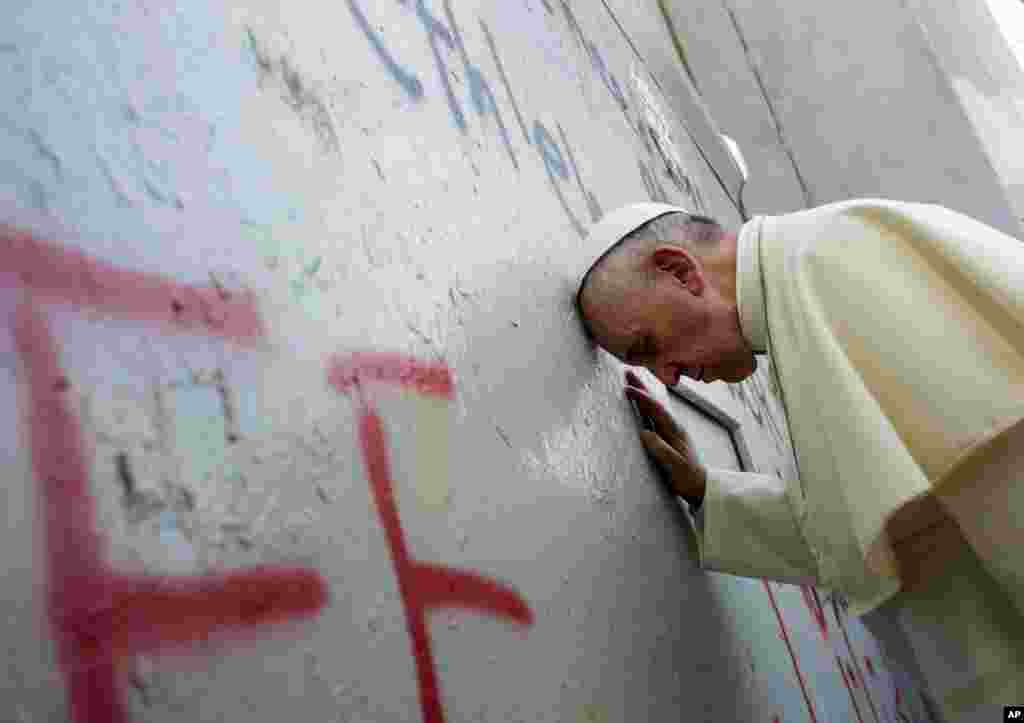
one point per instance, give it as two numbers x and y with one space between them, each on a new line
295 305
988 78
838 101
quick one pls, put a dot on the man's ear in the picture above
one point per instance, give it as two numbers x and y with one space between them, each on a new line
681 264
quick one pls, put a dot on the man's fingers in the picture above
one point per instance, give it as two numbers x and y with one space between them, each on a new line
633 380
684 479
676 470
664 424
660 450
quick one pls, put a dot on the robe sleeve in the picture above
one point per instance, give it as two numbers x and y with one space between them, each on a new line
747 526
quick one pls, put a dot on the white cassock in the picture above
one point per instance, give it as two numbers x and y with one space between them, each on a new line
896 331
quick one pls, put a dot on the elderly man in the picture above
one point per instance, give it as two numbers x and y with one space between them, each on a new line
896 332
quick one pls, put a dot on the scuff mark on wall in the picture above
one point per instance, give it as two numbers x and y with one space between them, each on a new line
139 504
295 92
121 195
46 151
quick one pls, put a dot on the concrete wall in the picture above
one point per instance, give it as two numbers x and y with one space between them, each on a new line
988 79
723 75
300 422
837 101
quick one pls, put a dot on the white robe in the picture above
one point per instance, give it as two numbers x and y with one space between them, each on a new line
896 331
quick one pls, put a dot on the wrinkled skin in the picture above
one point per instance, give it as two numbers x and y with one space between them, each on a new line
669 444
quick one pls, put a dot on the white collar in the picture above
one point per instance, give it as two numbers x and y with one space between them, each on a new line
749 287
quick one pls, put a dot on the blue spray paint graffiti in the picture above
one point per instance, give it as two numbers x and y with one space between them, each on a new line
504 78
597 62
483 99
592 205
435 29
480 89
554 163
409 82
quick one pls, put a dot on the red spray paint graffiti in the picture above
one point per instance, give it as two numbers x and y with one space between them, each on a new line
854 670
814 605
57 274
423 586
792 654
99 616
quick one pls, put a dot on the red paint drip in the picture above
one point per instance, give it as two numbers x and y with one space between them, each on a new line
433 379
792 654
868 664
423 586
99 616
810 596
54 273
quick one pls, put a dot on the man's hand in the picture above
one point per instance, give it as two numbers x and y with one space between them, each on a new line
669 444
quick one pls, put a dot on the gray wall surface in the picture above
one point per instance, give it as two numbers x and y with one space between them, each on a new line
300 423
844 100
988 79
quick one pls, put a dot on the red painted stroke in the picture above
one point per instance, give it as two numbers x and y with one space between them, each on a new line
56 273
432 379
813 602
155 612
99 616
423 586
853 657
792 653
814 605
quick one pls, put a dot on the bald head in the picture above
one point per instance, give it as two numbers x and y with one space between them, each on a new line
628 266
